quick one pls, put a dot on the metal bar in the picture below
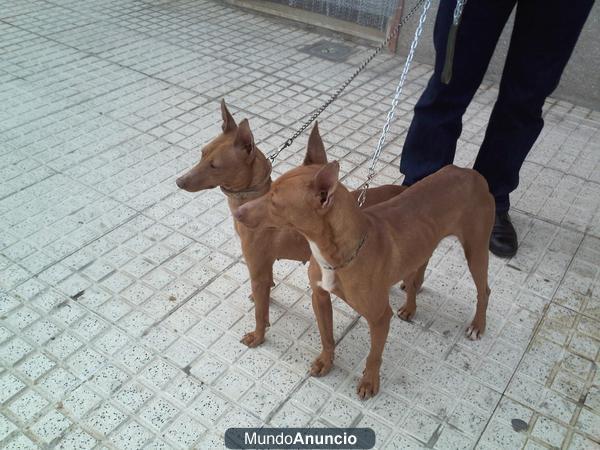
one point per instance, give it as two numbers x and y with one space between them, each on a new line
393 24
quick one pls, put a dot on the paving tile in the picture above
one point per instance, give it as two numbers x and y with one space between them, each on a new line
14 351
80 401
261 402
289 415
185 389
185 431
233 384
588 422
131 436
209 406
580 442
21 442
6 427
50 426
105 419
28 406
35 366
158 413
10 385
549 431
77 438
450 438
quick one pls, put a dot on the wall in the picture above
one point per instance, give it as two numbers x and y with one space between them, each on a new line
580 83
581 80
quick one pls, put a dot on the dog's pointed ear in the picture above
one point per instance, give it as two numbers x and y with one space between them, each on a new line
315 150
228 120
244 140
326 182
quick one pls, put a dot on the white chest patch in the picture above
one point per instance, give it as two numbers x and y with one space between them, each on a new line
327 282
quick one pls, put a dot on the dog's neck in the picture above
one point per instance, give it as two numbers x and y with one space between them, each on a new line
342 232
258 183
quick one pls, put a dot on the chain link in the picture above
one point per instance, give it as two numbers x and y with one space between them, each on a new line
390 116
317 112
458 9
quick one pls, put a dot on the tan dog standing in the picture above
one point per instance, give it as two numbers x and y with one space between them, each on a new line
232 162
358 255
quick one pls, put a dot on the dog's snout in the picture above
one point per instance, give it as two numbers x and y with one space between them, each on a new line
181 181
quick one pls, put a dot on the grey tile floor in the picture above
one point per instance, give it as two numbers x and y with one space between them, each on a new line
122 298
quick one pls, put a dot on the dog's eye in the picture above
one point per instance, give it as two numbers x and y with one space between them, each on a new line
212 165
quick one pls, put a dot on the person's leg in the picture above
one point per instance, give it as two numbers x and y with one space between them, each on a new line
431 140
543 38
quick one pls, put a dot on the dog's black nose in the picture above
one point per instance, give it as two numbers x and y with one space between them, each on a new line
180 182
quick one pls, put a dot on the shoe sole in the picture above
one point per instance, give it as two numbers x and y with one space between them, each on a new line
503 255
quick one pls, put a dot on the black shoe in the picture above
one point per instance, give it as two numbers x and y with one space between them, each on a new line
503 242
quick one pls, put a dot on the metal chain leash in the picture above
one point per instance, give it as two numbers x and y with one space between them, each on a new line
458 9
390 116
317 112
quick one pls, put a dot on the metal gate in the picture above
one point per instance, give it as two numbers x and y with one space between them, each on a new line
369 13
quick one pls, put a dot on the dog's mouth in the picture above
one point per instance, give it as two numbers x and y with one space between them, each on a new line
185 185
203 188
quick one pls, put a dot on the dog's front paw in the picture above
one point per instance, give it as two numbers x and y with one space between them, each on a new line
321 365
406 312
253 339
369 385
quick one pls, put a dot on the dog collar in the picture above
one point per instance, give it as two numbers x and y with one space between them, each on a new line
248 191
351 258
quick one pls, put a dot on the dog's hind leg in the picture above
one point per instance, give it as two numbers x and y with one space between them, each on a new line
412 285
476 253
261 280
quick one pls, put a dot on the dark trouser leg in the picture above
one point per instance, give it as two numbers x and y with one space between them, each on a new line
431 140
542 41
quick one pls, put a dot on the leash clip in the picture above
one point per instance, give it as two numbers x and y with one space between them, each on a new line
451 43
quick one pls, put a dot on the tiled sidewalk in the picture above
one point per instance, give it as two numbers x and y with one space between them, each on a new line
122 298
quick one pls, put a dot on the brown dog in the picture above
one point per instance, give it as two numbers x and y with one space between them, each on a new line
358 255
233 162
